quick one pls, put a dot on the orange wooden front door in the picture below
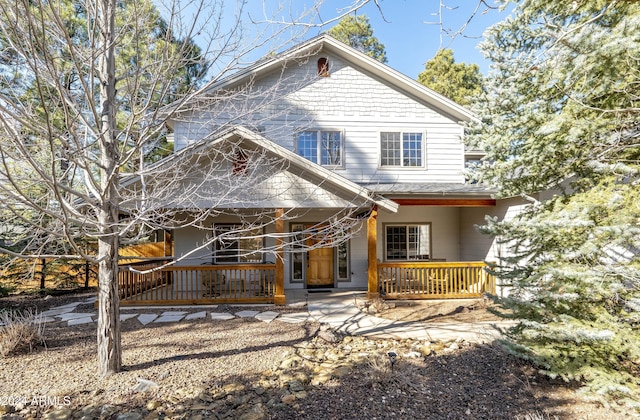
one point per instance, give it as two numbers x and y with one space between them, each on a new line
319 265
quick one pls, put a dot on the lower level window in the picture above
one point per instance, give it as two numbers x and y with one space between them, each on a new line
408 242
342 256
237 244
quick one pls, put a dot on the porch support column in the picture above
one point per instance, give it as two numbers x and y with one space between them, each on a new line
279 298
372 246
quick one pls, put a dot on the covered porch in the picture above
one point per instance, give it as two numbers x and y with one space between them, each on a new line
261 283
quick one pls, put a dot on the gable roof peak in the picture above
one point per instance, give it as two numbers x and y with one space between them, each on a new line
325 42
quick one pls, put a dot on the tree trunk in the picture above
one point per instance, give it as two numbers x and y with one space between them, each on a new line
42 274
109 347
86 274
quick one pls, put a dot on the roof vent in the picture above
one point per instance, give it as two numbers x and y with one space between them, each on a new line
323 67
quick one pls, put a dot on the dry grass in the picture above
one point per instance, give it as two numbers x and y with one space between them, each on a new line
390 372
20 331
537 416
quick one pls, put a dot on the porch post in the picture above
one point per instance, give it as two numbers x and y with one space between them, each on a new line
279 298
372 245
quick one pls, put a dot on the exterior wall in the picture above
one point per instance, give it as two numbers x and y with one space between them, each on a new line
357 258
480 247
187 239
444 229
348 100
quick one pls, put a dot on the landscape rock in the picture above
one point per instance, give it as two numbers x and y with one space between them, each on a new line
59 414
295 386
132 415
143 385
328 336
107 410
257 412
288 399
153 404
207 369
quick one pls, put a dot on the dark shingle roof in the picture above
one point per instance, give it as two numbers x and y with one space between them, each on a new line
433 189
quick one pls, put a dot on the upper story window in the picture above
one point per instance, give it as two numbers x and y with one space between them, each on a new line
323 67
401 149
323 147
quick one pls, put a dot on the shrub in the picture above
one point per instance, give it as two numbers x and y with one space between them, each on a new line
380 371
19 331
5 289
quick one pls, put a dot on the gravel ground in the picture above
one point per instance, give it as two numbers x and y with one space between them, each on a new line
248 369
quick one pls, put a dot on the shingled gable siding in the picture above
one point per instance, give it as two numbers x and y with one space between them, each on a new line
352 101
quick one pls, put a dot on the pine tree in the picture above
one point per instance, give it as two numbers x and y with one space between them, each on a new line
560 120
356 31
457 81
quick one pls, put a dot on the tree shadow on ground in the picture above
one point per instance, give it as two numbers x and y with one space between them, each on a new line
306 376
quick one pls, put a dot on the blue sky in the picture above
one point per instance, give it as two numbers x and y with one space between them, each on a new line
412 34
411 30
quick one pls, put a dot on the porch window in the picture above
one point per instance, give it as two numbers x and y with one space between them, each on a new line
342 257
237 244
408 242
324 147
297 254
401 149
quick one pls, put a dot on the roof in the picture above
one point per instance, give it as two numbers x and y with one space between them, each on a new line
363 62
432 189
297 165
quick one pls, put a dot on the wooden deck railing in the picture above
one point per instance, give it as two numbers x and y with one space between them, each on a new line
255 283
203 284
434 280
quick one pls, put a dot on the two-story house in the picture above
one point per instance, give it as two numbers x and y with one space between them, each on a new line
351 176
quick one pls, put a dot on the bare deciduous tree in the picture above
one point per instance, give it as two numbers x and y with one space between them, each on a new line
85 89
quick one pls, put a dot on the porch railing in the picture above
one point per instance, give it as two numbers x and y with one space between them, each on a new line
203 284
255 283
434 280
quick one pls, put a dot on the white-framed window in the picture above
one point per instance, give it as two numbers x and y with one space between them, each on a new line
235 243
342 261
401 149
325 147
298 254
411 242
